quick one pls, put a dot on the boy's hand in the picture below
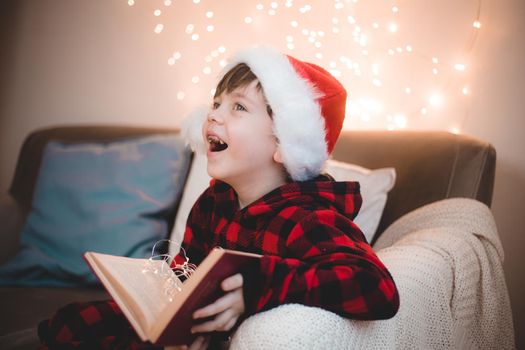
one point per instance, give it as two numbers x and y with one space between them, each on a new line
226 309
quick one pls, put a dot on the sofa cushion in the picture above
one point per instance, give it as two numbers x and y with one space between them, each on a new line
112 198
375 185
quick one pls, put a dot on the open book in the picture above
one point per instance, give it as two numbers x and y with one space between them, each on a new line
157 316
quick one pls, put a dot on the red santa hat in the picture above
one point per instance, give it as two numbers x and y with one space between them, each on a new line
308 106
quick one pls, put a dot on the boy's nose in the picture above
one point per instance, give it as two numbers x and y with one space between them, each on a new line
214 116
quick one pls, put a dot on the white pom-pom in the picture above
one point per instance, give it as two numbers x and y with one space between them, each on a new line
191 129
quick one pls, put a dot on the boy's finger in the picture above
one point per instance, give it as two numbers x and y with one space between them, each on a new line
232 282
220 323
216 307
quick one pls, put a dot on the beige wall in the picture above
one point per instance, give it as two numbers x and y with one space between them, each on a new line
98 61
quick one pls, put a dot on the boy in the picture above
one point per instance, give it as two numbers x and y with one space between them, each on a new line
273 123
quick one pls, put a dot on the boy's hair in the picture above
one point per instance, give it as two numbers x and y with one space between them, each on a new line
240 75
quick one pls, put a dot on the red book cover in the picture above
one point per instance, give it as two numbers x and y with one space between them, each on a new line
205 289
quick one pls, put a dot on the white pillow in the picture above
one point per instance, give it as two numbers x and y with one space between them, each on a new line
375 185
198 181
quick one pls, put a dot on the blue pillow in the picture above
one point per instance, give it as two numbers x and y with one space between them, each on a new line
112 198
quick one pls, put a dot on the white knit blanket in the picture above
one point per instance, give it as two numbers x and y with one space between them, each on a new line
446 259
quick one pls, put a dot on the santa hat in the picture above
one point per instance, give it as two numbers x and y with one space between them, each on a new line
308 106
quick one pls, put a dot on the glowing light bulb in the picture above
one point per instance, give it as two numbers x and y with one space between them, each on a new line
476 24
435 71
189 28
259 7
167 2
157 13
181 95
435 60
177 55
289 38
223 63
392 27
400 121
336 73
290 46
274 5
455 130
375 25
248 20
209 14
350 19
131 2
195 37
196 1
158 28
465 90
206 70
377 82
408 48
271 12
294 24
171 61
221 49
424 111
436 100
395 9
210 28
408 90
195 79
459 67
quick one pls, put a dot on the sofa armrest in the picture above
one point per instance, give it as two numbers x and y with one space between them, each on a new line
12 218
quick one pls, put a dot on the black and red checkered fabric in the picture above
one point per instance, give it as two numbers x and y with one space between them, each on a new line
313 254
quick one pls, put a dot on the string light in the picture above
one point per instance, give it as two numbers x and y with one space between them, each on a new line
158 28
364 61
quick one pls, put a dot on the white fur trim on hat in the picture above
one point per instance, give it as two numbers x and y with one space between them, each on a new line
298 123
191 129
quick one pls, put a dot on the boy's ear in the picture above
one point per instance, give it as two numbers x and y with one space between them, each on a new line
277 157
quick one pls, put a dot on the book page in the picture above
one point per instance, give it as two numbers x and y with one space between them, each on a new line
142 293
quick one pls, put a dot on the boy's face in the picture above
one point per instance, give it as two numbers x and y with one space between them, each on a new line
239 134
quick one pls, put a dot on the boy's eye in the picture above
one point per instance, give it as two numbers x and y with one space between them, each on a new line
216 105
239 107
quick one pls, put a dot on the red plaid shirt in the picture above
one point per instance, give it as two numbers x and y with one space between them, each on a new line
313 252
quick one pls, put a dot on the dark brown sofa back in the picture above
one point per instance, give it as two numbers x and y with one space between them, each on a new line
430 165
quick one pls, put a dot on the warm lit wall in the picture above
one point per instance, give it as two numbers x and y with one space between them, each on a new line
100 61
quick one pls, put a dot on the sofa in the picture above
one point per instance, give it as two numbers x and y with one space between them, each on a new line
430 166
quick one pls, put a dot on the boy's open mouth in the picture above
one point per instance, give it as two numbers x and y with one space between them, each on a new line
216 144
